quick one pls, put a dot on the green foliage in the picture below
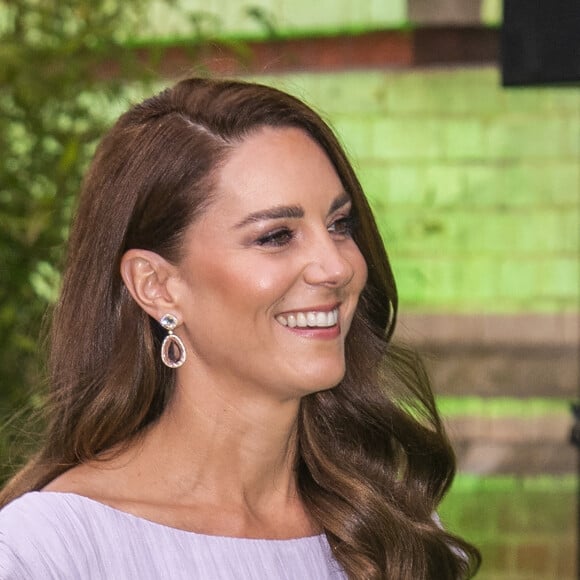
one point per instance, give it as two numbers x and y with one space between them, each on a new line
55 87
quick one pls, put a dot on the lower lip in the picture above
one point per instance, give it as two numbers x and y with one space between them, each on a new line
325 333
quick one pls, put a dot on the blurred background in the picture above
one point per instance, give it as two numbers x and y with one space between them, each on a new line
466 136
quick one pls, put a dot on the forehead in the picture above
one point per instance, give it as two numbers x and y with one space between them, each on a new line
276 166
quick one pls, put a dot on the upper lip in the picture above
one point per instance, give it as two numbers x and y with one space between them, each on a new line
319 308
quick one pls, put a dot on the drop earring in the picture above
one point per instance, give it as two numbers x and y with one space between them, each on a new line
173 352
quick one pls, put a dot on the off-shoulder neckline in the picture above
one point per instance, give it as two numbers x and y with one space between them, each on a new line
128 515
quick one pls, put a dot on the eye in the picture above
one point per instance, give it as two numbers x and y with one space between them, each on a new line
277 238
343 226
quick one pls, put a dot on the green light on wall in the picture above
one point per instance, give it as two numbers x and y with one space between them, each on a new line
501 407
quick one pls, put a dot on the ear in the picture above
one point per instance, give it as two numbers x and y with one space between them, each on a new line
149 279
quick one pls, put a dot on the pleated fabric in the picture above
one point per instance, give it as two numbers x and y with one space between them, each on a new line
64 536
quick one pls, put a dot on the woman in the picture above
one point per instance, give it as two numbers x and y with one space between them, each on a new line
225 402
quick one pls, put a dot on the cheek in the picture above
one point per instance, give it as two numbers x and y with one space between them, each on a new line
244 286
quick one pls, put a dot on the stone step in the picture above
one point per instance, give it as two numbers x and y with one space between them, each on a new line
523 446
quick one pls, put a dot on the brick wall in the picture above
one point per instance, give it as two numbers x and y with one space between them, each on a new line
525 528
307 17
287 16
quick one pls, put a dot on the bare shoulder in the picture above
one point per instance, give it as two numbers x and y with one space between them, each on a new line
95 480
113 482
80 479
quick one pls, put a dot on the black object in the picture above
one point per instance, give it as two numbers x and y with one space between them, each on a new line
540 42
575 434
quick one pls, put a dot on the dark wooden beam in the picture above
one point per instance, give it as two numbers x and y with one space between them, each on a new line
456 45
385 49
494 355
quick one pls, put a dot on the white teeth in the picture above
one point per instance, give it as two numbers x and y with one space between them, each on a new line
311 319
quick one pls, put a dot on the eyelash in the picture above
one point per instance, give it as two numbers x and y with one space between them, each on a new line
283 236
348 224
277 238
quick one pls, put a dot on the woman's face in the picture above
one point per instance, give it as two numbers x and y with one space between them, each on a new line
271 276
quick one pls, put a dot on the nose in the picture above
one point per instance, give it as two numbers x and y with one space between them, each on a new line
328 263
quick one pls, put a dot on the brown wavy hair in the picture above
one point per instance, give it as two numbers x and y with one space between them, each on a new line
373 458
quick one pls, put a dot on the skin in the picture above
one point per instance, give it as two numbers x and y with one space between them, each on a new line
275 241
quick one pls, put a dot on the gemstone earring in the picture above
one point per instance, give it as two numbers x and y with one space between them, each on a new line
173 352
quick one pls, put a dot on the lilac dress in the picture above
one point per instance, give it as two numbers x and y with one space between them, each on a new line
64 536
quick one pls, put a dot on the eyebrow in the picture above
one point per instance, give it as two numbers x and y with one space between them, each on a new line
272 213
341 200
288 211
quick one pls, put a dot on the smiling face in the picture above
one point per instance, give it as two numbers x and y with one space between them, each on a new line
270 276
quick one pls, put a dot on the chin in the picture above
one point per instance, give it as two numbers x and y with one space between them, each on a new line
324 383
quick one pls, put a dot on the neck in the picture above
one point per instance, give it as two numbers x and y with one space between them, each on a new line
213 447
216 462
